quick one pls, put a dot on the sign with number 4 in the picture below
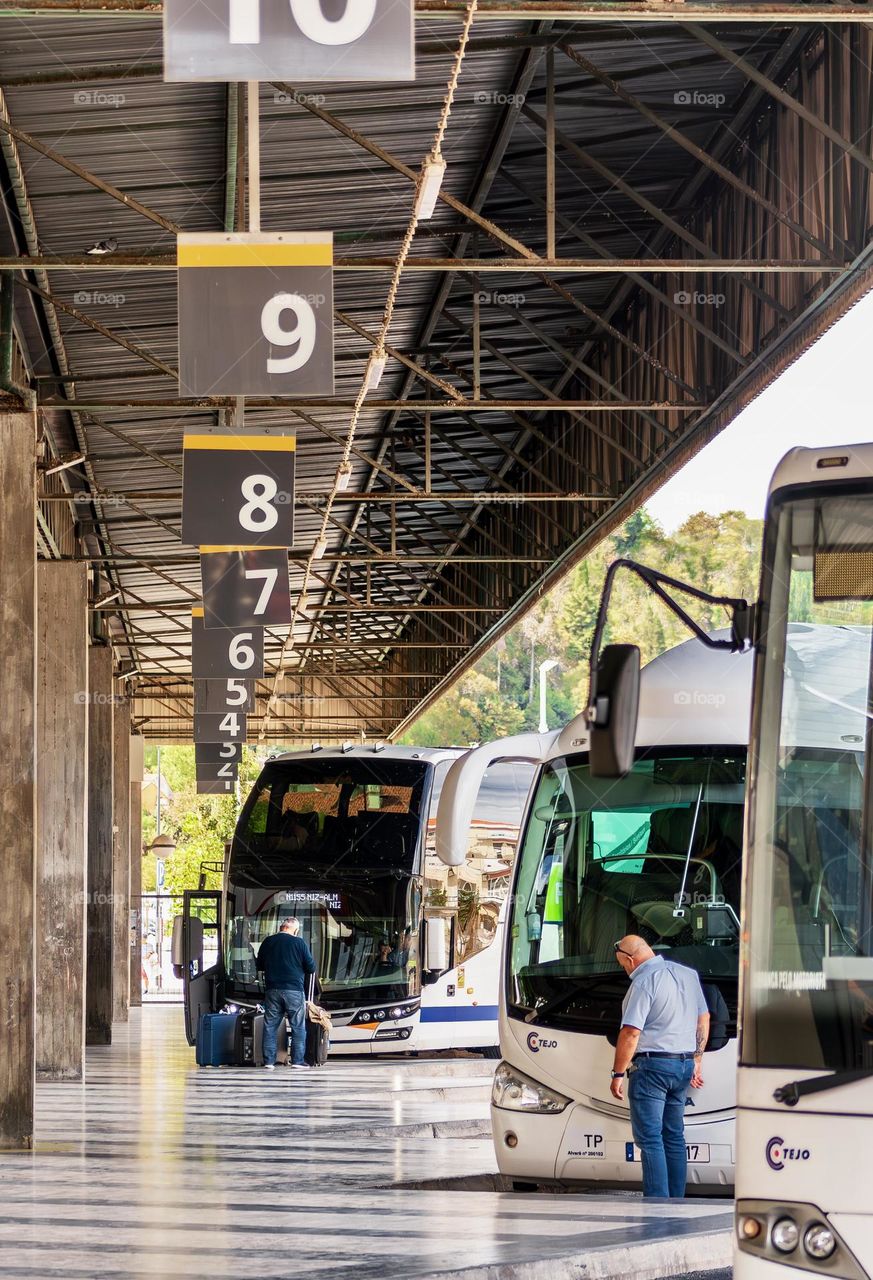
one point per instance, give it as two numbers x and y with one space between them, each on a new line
255 313
228 726
318 40
238 490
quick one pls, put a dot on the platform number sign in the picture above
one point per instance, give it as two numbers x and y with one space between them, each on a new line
224 695
238 490
226 654
219 726
217 762
321 40
243 586
255 313
215 786
215 755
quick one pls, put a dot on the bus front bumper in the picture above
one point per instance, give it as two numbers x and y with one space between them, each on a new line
583 1145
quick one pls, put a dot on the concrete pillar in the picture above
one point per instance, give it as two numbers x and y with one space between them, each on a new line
121 860
17 780
98 990
136 772
61 845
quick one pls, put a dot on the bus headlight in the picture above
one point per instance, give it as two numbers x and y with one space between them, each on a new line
514 1091
785 1235
819 1241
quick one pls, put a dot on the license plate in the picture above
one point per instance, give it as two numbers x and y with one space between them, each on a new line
698 1152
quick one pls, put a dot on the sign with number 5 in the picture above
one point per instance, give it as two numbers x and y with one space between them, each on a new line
238 490
323 40
220 655
255 313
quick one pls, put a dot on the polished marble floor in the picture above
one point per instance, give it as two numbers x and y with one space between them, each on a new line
154 1168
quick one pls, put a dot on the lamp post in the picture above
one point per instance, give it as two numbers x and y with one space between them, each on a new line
545 668
161 847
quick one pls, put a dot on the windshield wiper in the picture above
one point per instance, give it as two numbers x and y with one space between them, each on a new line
792 1092
564 997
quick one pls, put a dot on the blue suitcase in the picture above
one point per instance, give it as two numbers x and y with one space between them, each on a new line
217 1040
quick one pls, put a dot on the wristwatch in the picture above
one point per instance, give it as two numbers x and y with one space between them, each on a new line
617 1075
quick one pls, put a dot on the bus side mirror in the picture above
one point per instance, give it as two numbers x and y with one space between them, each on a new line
436 958
187 944
614 711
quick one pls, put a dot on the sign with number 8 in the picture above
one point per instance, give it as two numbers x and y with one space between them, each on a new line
238 489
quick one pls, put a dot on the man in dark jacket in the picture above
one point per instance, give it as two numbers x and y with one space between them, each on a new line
286 962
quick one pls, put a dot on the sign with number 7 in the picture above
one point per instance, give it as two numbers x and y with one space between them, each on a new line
242 586
255 313
238 489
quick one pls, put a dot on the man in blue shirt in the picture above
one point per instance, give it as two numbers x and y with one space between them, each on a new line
664 1029
287 962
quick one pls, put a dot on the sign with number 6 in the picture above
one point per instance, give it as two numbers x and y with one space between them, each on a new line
255 313
238 489
221 655
289 39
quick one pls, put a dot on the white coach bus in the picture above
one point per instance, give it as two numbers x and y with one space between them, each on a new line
657 853
805 1122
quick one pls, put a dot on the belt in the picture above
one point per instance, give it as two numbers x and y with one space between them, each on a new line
680 1057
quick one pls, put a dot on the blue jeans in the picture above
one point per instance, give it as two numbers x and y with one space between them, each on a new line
656 1093
280 1002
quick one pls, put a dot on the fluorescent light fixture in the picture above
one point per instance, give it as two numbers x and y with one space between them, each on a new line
432 173
375 368
319 549
62 464
344 476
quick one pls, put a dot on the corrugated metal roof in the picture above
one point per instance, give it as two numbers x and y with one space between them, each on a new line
625 188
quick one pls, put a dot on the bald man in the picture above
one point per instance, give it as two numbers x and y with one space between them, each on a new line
664 1030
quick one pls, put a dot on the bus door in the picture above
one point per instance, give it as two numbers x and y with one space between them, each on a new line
197 957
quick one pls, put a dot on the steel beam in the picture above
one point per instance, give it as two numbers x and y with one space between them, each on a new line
654 11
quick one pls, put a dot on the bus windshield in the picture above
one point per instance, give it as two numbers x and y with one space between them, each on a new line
657 853
338 843
809 984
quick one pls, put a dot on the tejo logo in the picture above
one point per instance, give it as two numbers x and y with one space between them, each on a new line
536 1042
777 1153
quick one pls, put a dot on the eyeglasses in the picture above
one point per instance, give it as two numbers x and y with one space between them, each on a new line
619 952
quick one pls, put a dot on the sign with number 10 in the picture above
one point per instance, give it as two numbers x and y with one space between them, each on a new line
320 40
255 313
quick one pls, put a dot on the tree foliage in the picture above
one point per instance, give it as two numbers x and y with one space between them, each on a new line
500 695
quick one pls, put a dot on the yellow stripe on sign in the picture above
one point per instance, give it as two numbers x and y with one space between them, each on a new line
248 443
196 613
274 254
211 551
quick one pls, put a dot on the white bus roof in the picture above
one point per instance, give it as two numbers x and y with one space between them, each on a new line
694 696
371 751
817 466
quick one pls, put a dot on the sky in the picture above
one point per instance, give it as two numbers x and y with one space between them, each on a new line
824 398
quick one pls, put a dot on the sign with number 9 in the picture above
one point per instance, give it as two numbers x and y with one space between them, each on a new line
255 314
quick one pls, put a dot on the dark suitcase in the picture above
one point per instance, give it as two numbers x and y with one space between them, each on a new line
216 1040
231 1039
317 1038
249 1039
